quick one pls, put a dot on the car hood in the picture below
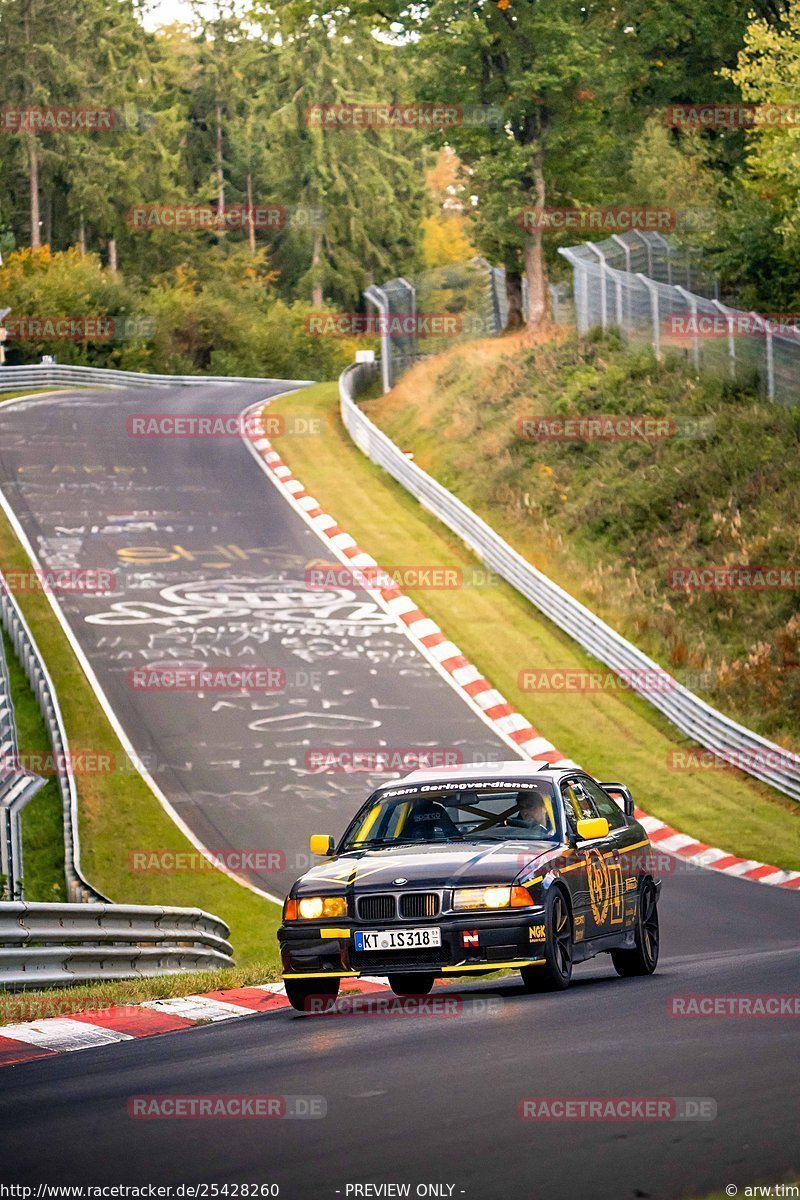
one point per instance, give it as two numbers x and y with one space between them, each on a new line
423 866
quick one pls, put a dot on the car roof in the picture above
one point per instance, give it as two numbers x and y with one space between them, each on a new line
512 769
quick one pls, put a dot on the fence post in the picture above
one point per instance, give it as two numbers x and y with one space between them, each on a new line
649 248
692 302
652 291
378 298
413 294
731 339
770 351
603 283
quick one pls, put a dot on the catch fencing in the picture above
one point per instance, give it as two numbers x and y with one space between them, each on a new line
424 314
705 725
654 292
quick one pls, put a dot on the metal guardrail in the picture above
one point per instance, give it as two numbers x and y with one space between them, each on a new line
46 944
17 787
692 716
64 375
13 621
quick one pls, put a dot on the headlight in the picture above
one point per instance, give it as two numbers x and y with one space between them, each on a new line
491 897
315 908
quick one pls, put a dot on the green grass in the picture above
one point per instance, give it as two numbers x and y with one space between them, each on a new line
35 1004
614 734
608 519
117 810
42 820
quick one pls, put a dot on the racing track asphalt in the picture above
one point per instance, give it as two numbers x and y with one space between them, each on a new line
209 567
417 1100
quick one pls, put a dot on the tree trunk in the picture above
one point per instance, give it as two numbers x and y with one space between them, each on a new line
251 228
82 236
535 265
220 175
33 176
48 220
316 255
515 318
112 255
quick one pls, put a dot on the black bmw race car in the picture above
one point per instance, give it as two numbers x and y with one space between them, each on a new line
475 869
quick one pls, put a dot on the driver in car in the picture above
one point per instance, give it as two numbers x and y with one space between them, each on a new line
531 815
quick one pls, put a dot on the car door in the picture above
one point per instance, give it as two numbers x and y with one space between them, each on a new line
602 876
626 841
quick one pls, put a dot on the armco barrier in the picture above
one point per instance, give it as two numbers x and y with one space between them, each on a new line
63 375
17 787
46 944
692 716
15 625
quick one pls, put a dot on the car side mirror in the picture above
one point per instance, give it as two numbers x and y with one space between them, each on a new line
621 795
592 829
321 843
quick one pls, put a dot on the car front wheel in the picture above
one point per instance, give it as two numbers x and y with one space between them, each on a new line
312 995
555 973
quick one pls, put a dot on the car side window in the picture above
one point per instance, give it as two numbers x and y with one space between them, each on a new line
606 807
577 803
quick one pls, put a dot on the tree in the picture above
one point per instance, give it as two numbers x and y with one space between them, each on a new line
360 192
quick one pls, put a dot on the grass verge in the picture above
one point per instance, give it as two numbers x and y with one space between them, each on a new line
616 735
617 520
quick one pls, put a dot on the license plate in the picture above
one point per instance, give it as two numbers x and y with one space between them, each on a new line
397 939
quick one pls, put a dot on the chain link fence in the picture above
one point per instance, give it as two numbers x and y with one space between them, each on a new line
423 314
656 293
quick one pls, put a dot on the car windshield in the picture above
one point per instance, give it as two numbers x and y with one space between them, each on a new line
424 814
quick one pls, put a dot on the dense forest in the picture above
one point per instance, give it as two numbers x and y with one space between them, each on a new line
208 185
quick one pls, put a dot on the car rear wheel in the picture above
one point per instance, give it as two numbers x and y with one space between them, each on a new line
643 958
555 973
416 983
312 995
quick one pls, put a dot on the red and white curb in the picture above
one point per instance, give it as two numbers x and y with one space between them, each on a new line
514 729
125 1022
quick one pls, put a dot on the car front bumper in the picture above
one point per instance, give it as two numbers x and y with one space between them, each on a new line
507 939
